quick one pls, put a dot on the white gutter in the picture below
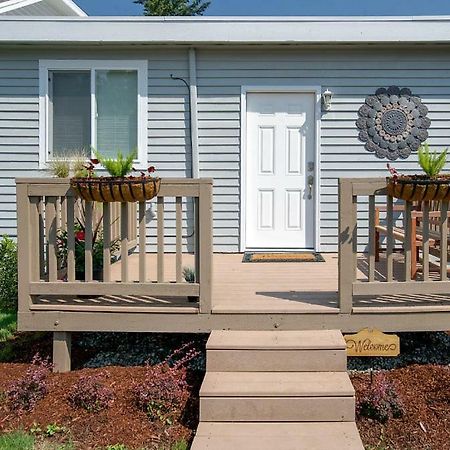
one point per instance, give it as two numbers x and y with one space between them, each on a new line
223 30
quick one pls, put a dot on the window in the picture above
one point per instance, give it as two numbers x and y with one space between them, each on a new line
91 104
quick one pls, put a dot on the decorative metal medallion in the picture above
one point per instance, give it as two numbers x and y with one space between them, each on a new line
393 123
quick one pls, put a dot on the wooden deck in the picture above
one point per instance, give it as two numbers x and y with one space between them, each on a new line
255 288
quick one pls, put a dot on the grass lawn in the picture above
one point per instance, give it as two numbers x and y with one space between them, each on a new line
8 326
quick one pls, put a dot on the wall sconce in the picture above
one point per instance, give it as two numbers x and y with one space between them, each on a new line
327 96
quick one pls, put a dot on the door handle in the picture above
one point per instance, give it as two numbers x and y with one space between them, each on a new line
310 186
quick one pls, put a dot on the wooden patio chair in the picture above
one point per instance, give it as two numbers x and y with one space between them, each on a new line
416 233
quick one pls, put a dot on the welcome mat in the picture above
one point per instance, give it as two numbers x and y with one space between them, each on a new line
257 257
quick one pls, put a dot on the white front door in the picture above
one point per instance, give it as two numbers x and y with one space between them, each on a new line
280 170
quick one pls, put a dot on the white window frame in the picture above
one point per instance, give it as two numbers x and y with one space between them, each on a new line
45 66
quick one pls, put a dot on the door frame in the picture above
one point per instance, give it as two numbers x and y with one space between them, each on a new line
317 92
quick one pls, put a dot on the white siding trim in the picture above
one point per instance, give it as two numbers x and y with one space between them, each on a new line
193 113
317 91
142 70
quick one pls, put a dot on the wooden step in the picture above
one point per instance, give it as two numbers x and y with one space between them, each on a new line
276 340
283 436
277 351
276 360
276 396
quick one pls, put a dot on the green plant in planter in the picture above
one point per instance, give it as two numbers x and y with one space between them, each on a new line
189 277
431 163
118 167
80 248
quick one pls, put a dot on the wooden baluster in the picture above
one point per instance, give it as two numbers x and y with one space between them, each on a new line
426 241
70 223
124 241
407 242
63 224
371 253
160 240
51 229
107 241
88 265
179 239
42 260
35 238
142 243
390 239
443 239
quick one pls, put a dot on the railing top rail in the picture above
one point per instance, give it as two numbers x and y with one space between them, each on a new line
366 186
65 181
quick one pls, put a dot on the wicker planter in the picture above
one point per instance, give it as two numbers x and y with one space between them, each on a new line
419 188
110 189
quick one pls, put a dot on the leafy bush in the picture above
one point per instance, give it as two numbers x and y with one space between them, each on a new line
380 401
8 326
189 274
8 274
24 393
117 167
165 391
91 394
431 163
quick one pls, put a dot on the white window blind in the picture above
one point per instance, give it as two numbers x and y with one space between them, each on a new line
70 113
116 94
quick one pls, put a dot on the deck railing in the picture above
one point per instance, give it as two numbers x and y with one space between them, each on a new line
420 228
48 207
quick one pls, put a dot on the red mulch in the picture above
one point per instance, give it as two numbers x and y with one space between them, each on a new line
121 423
425 394
424 391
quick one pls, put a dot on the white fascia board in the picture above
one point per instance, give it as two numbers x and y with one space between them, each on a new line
225 30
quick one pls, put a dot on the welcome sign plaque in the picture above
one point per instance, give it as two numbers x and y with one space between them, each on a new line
372 342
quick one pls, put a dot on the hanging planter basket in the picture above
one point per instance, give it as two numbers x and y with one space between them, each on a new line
112 189
419 188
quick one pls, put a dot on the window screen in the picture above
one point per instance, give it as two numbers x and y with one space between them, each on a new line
70 113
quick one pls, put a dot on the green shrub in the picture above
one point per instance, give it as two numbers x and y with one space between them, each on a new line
16 440
8 326
8 274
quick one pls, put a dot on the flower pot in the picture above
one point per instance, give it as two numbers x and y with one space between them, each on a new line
112 189
419 188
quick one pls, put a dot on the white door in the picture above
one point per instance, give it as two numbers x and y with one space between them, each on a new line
280 171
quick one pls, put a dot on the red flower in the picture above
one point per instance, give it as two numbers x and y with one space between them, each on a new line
94 161
151 169
80 235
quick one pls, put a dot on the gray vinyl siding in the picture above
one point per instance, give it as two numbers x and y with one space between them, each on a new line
349 74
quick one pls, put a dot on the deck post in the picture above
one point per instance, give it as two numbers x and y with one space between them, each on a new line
24 246
347 245
62 345
205 246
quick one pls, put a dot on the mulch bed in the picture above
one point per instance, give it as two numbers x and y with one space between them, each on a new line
121 423
425 425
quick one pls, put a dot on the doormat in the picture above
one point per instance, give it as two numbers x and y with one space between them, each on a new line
282 257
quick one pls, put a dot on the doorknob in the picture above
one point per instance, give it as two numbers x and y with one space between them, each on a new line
310 186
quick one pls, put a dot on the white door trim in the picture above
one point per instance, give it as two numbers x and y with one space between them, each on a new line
317 91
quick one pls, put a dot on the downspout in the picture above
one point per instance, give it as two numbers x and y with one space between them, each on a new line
193 112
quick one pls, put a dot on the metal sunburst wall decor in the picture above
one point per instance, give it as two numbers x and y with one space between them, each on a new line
393 123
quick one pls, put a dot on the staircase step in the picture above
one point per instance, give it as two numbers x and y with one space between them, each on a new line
283 436
276 360
276 340
276 384
280 396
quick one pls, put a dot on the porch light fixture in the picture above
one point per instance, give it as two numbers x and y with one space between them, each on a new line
327 96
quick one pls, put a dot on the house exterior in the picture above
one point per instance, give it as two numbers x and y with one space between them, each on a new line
40 8
253 118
